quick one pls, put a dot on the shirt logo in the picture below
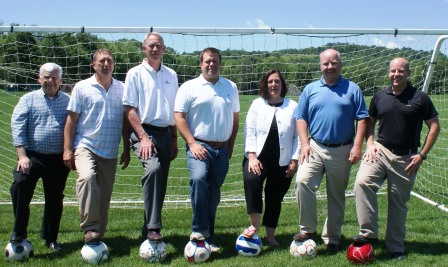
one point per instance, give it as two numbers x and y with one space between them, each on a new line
167 82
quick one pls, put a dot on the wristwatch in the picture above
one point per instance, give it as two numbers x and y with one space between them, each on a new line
423 155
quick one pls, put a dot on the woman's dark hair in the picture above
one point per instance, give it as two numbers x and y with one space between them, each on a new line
263 84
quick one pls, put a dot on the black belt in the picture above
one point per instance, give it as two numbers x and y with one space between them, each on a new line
402 152
334 145
213 144
155 128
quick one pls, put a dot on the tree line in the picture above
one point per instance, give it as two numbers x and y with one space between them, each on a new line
22 53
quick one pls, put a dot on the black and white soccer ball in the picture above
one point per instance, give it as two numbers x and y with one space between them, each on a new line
19 251
95 253
153 251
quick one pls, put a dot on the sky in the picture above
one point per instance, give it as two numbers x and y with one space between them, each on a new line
406 14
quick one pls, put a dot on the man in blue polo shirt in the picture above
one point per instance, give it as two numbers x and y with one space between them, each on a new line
400 110
327 109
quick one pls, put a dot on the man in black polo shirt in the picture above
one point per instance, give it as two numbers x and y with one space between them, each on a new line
400 110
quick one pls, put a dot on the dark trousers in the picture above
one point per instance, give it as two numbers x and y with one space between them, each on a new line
155 179
54 174
277 185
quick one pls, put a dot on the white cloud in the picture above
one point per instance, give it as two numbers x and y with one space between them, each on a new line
257 23
307 25
390 45
378 42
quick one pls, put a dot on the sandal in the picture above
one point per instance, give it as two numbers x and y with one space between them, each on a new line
249 232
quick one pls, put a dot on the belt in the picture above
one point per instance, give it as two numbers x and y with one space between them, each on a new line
213 143
155 128
334 145
402 152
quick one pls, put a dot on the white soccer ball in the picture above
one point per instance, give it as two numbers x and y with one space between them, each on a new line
248 246
153 251
95 253
19 251
197 251
303 250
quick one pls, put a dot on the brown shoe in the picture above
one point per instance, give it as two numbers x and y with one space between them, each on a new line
302 236
154 235
91 236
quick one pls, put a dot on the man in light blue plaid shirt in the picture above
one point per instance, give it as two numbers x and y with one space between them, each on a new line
91 139
37 126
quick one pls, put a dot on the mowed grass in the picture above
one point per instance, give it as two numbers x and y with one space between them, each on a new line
427 242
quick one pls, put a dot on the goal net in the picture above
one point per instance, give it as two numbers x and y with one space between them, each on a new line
247 54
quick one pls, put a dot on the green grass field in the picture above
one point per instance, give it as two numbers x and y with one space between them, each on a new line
427 241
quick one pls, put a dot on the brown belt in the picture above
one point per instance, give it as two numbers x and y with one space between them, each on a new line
213 143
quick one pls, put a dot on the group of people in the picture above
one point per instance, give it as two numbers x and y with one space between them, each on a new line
54 133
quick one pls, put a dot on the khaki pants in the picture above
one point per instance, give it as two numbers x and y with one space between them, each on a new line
333 162
370 177
96 177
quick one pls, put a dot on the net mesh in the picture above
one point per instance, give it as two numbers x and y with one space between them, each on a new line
246 57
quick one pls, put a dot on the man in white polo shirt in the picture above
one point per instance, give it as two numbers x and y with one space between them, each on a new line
149 92
206 115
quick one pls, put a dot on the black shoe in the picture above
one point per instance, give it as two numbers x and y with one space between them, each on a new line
302 236
364 240
399 256
332 248
16 238
54 246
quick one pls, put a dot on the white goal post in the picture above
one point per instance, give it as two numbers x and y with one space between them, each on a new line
247 54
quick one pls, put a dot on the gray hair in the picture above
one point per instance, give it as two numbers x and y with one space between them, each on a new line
156 34
49 67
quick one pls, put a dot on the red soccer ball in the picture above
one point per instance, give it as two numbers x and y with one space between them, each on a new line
359 253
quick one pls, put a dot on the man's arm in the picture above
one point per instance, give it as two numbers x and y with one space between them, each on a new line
355 153
146 145
125 132
69 133
23 162
371 149
174 148
434 130
416 160
196 150
231 141
305 149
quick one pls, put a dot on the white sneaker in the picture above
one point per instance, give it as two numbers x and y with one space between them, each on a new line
196 236
214 248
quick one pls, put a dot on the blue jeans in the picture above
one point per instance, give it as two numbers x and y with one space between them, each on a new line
206 178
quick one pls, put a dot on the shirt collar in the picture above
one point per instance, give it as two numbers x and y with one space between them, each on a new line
204 81
406 90
95 83
42 93
149 68
339 83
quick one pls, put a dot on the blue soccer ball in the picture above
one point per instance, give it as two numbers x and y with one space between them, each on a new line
248 246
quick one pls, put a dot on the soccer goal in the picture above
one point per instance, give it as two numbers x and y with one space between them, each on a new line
247 54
